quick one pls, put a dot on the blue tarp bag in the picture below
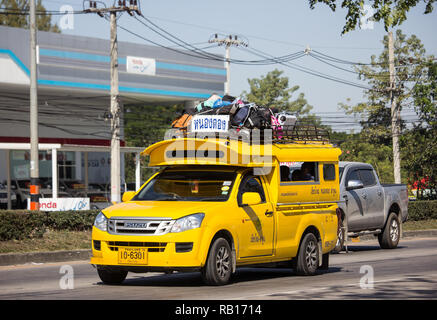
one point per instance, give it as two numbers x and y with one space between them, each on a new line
220 103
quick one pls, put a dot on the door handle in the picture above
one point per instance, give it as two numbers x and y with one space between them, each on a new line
364 196
269 213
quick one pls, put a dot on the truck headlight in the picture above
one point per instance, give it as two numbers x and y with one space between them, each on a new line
192 221
101 222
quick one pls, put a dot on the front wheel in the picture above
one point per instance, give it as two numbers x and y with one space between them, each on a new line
389 238
111 277
218 267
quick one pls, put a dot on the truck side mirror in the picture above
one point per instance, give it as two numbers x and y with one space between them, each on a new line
354 184
127 196
250 199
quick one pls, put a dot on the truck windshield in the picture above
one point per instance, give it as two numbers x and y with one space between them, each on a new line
341 169
188 186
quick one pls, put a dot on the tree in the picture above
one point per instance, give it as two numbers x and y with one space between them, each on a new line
421 144
143 126
410 62
413 86
392 12
357 148
273 91
425 97
19 19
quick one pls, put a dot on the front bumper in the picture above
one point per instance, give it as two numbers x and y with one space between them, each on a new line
174 251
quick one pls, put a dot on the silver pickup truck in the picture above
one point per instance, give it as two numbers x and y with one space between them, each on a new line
368 207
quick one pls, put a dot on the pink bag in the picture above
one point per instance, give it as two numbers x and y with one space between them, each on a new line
276 127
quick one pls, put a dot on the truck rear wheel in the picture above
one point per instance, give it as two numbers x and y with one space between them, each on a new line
340 238
389 238
218 267
307 260
111 276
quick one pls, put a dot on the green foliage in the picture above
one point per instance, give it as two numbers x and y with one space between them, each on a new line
379 156
392 12
20 225
420 142
422 210
425 97
273 91
414 71
143 126
410 60
43 19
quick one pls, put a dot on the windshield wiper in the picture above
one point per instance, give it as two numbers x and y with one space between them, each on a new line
168 199
210 198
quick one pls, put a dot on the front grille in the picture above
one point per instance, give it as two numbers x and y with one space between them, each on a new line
140 226
152 246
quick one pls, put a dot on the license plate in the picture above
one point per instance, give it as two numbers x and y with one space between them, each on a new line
132 256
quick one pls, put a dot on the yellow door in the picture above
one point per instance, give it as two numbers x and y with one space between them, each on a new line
257 221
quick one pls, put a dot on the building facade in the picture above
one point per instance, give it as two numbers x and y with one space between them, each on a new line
74 95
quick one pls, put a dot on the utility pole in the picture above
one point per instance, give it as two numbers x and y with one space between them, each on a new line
395 111
228 41
115 114
115 107
34 153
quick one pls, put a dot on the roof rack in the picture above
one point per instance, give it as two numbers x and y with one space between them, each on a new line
298 133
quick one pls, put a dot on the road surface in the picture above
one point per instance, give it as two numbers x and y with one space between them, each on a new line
366 272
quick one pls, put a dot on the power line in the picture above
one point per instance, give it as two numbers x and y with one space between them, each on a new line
310 71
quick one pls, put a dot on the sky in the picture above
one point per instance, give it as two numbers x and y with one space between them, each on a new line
277 28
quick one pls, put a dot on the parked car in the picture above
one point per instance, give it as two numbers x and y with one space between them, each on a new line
22 190
4 197
369 207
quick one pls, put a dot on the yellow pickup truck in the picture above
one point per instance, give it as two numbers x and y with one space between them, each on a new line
217 205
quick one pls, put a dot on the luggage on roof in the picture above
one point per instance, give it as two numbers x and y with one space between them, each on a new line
242 118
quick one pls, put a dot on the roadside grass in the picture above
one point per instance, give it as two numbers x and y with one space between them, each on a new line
420 225
51 241
74 240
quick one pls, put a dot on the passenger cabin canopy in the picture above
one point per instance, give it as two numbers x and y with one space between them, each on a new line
186 151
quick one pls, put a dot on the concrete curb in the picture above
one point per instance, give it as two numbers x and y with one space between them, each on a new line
420 233
7 259
44 257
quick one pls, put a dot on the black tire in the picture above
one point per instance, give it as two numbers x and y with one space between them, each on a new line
307 261
340 239
111 276
218 268
389 237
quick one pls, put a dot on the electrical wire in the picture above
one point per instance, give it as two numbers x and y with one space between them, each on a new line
310 71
